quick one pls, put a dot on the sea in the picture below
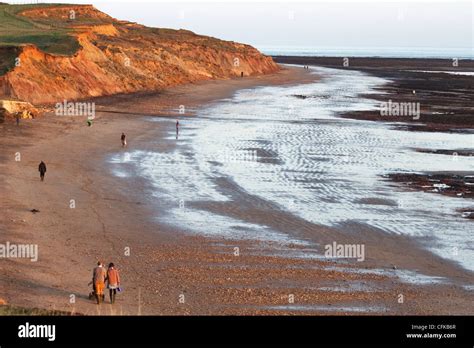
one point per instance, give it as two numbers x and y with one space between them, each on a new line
383 52
285 151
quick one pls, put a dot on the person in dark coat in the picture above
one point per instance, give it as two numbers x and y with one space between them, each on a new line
42 170
123 138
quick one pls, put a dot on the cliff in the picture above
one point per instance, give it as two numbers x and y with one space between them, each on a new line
78 52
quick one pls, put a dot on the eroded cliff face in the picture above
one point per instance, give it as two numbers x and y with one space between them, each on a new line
122 57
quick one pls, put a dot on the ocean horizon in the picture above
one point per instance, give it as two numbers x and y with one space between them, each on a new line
382 52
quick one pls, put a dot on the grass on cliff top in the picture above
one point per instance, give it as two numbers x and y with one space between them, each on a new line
48 34
51 35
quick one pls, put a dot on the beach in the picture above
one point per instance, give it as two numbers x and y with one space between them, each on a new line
443 87
170 269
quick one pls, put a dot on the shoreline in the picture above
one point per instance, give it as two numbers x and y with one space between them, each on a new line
446 100
376 62
164 264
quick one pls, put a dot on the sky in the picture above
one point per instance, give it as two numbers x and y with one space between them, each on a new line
382 23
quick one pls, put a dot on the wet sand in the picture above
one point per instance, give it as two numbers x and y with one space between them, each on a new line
168 271
449 184
446 99
444 88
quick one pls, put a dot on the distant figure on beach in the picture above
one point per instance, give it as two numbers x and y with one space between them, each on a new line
123 138
113 281
42 170
17 119
177 129
99 275
241 74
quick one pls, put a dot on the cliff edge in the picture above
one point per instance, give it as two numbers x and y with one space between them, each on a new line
50 53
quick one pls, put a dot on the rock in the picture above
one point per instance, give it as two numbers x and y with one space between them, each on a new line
4 114
15 108
300 96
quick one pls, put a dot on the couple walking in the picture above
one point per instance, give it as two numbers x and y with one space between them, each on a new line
100 276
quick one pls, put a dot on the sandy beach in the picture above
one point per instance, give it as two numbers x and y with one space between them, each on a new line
166 271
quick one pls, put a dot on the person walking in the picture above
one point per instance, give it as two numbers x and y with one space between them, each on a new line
123 138
177 129
99 275
113 281
42 170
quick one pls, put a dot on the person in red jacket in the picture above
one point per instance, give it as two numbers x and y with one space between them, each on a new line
113 281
